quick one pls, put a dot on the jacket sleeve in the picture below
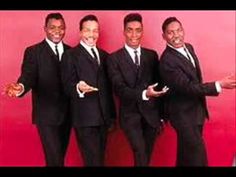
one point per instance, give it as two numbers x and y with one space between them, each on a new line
68 74
29 70
178 81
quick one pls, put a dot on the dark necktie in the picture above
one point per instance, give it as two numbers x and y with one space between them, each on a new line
57 53
189 58
136 58
95 55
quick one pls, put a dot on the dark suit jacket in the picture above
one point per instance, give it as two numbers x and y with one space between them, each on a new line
186 102
96 107
41 72
129 82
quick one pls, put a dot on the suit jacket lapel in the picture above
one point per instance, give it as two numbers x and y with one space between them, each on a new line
89 57
50 51
182 58
197 65
129 60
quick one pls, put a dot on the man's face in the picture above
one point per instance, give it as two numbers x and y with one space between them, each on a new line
174 34
90 33
133 33
55 30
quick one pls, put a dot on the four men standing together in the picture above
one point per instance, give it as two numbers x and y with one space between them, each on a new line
74 88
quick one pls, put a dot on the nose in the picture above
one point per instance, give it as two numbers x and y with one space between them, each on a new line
176 34
133 34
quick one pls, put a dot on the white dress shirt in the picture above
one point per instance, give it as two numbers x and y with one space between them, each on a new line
59 47
88 48
132 55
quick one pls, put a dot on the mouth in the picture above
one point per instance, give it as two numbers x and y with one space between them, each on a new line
57 37
90 40
177 41
134 40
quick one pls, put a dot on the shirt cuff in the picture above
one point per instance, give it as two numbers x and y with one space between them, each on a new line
81 94
23 89
218 87
144 95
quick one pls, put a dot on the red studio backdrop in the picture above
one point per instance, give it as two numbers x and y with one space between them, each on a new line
212 33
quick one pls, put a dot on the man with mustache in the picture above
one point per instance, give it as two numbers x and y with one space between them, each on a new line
84 75
41 73
186 100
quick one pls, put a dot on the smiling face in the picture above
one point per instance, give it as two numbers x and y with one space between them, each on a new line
133 33
90 32
55 30
174 34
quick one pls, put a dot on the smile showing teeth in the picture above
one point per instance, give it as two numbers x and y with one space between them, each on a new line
177 41
56 36
90 39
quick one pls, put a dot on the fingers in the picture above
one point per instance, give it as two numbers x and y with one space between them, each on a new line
12 90
231 76
85 88
153 85
165 89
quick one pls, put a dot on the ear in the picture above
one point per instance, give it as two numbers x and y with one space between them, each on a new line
163 36
124 32
45 29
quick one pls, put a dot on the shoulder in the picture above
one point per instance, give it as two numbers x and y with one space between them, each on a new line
167 55
117 52
189 46
103 52
66 46
148 51
35 47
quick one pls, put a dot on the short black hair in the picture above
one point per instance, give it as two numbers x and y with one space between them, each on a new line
89 17
168 21
132 17
55 16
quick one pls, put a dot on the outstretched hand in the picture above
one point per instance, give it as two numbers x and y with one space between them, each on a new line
13 89
152 93
85 88
229 82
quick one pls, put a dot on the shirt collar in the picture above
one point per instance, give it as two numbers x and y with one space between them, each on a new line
131 50
52 44
88 48
180 49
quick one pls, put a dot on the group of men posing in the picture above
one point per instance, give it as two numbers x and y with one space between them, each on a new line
73 87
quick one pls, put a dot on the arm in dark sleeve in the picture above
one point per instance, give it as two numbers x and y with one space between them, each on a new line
111 97
29 70
68 74
176 79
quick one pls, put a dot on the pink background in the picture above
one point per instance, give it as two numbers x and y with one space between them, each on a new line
212 33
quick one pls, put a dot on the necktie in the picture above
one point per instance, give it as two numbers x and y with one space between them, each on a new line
95 55
57 53
189 58
136 58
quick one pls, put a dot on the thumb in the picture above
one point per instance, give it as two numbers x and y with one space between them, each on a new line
154 85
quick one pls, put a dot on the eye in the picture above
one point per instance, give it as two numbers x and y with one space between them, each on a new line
129 30
139 30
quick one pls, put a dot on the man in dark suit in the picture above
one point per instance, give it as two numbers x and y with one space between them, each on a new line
84 75
41 73
134 73
186 102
